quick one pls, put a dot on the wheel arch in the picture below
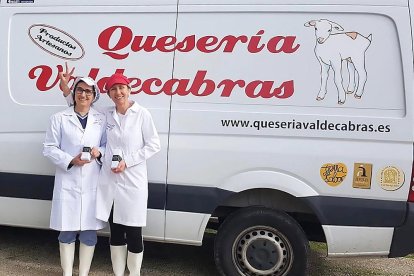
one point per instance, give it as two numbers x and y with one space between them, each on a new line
274 190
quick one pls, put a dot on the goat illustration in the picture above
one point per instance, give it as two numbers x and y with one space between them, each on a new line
335 48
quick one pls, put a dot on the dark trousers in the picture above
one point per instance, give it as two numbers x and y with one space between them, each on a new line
123 234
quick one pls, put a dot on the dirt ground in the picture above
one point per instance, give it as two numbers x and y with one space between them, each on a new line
320 265
35 253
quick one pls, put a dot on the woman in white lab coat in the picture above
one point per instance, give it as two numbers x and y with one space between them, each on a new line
76 129
123 188
123 185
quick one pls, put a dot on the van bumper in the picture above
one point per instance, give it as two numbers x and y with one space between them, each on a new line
403 238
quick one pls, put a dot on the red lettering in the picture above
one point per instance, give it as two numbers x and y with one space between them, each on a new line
200 81
94 73
285 90
265 87
205 42
286 47
135 83
164 42
146 86
187 44
253 46
123 41
200 85
124 37
176 86
44 77
147 46
230 42
229 86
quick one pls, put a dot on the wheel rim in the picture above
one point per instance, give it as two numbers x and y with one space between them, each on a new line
262 250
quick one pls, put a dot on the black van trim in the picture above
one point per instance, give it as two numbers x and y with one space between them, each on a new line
402 239
330 210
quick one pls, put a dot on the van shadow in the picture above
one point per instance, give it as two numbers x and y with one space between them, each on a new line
36 252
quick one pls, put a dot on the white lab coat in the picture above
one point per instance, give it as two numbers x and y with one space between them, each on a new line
127 192
74 193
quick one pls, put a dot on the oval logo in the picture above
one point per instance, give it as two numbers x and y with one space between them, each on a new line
333 174
56 42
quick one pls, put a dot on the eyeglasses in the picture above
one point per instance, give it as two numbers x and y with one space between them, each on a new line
80 90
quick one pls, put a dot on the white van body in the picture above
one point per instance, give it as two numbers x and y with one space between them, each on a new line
280 121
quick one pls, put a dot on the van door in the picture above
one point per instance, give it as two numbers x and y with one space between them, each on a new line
274 111
97 40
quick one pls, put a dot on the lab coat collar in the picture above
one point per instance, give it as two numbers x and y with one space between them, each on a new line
70 112
71 115
134 108
93 112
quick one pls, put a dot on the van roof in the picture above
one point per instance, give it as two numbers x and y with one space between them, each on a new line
25 3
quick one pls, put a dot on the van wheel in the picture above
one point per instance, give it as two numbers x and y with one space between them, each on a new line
261 241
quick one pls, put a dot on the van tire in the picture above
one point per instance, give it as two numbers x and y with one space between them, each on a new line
273 241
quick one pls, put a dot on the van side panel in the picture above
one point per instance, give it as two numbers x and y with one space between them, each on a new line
38 40
255 106
341 238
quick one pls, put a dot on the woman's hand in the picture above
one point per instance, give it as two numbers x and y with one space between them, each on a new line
95 153
121 167
65 78
76 161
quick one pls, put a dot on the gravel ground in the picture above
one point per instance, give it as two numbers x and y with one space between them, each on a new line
321 265
35 253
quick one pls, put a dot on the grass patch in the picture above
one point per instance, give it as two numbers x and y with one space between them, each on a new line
319 247
410 256
321 266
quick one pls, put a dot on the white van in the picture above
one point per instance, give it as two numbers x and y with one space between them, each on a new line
280 121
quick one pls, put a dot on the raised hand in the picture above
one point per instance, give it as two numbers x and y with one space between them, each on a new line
65 78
